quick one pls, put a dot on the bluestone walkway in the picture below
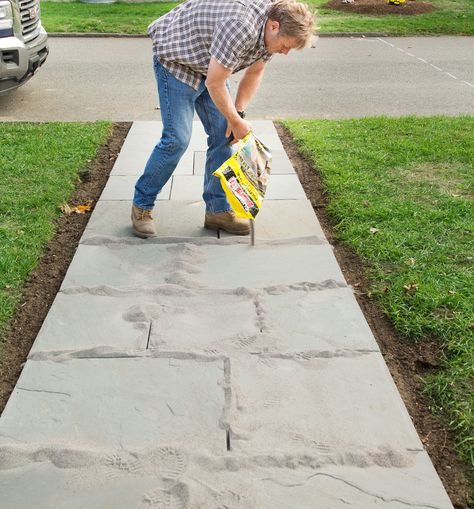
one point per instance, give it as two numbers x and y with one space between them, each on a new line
194 371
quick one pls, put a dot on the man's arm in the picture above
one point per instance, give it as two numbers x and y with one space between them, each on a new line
217 76
249 84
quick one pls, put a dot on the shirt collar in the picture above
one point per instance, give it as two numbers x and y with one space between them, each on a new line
261 38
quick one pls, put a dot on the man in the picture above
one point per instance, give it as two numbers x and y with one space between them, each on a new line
196 48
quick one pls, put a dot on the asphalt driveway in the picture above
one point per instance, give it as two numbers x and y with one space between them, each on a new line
111 78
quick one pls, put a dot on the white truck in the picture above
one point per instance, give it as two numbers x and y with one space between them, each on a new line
23 42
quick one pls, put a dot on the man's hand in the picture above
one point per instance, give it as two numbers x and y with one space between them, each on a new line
239 128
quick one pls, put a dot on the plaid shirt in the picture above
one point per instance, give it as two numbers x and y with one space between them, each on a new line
232 31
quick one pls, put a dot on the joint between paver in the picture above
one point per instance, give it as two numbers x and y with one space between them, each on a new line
113 291
110 241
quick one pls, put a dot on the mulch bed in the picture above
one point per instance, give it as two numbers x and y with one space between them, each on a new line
407 362
381 7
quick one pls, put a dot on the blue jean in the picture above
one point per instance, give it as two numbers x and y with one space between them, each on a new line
178 102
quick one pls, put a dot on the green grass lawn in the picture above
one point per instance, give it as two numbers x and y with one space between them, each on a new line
451 17
39 169
411 179
101 18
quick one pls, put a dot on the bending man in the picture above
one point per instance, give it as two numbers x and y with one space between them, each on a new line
196 47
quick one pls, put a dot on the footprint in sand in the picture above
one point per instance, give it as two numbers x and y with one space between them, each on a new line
168 462
174 497
243 342
302 441
230 500
121 462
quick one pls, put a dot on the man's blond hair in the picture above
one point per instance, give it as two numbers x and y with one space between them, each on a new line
296 20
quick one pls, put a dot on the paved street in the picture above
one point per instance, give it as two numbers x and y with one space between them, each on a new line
89 79
195 371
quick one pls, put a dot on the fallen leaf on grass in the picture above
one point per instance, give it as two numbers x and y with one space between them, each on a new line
411 288
78 209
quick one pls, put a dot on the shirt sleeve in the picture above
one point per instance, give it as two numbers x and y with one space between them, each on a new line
230 42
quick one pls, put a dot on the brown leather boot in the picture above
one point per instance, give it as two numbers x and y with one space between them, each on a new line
228 222
142 222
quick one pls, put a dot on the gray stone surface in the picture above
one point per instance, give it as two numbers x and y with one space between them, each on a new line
207 322
194 266
199 162
172 219
44 485
321 320
281 164
81 321
302 405
133 161
165 477
123 188
324 321
277 321
284 187
187 187
285 219
129 403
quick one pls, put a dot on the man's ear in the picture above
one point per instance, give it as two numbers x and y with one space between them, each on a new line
274 25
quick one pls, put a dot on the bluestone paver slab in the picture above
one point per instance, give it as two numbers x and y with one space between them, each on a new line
194 266
326 321
324 405
287 484
123 188
187 187
207 322
199 165
81 321
285 219
123 481
133 161
281 164
265 131
44 486
154 128
284 187
113 403
172 219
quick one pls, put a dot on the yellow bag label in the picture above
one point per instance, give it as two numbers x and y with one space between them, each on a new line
244 176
